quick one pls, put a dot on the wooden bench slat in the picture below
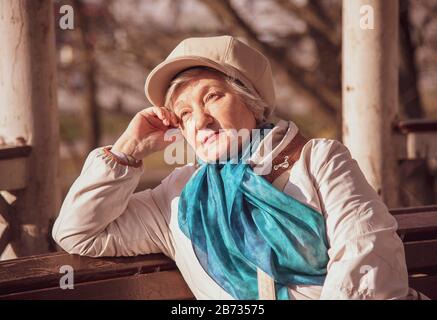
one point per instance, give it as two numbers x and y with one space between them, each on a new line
153 286
44 271
426 285
421 254
397 211
417 222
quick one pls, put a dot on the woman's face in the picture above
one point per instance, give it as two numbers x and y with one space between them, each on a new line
210 114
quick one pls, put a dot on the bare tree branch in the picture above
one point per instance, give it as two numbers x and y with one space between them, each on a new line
329 54
298 76
91 108
313 21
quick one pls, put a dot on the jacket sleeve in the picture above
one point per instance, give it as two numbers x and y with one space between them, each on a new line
102 216
367 259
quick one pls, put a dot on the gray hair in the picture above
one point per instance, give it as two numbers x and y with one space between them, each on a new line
251 99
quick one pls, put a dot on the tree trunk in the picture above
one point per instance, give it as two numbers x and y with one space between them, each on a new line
410 97
91 111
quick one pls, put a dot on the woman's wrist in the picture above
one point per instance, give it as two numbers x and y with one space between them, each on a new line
125 158
122 158
129 147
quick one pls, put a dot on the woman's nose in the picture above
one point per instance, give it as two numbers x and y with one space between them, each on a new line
202 119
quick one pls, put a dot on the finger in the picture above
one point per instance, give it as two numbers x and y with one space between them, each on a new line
146 111
151 112
160 113
167 118
174 119
177 120
154 116
167 115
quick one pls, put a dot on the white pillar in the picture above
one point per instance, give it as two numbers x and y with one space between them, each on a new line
28 109
370 90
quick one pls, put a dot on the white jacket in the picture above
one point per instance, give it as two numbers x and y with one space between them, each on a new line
102 216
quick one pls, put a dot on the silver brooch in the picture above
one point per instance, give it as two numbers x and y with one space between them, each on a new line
284 164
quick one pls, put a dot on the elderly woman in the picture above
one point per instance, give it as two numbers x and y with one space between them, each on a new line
295 219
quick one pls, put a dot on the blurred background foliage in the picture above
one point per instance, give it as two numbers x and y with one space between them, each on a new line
104 61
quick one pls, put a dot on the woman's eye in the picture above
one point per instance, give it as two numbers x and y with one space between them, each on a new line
211 95
184 114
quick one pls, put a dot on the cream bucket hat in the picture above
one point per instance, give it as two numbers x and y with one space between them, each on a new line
250 66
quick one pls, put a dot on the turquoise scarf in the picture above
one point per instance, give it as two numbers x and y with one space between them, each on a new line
237 221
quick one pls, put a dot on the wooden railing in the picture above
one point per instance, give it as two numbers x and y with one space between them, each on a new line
13 171
417 125
417 228
13 176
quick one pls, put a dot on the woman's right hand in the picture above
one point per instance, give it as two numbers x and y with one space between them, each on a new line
145 133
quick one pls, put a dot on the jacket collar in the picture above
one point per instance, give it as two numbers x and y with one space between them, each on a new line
272 144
